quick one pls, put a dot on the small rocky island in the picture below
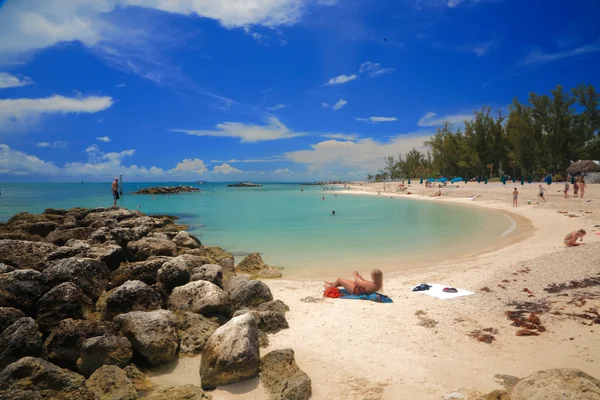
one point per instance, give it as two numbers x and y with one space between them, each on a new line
92 298
167 190
244 184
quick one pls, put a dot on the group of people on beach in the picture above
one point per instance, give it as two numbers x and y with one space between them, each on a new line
579 186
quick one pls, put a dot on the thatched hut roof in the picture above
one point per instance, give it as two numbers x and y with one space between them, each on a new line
583 166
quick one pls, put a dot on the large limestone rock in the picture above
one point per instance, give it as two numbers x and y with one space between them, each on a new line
110 254
34 374
194 330
109 216
152 334
251 264
123 235
34 224
55 211
271 321
147 247
130 296
103 350
186 392
143 384
231 354
111 383
557 384
192 261
23 254
60 237
90 275
273 305
21 339
184 239
215 255
201 297
173 273
282 378
8 316
63 346
245 292
22 289
212 273
64 301
144 271
4 268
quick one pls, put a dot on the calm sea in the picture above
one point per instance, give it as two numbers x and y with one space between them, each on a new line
291 225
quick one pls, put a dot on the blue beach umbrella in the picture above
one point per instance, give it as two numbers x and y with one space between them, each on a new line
522 180
485 180
528 178
421 181
409 181
442 180
457 179
431 180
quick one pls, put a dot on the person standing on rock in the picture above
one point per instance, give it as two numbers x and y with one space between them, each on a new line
115 191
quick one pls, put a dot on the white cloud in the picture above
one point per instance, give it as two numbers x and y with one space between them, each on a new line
282 171
343 136
432 119
59 144
537 57
454 3
260 160
9 81
376 120
277 107
248 133
13 162
225 169
325 105
120 85
339 80
340 104
374 69
104 139
14 111
191 165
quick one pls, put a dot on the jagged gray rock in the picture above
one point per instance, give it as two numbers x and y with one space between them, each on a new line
33 374
184 239
147 247
212 273
245 292
110 382
90 275
64 301
130 296
194 330
201 297
173 273
21 339
282 378
23 254
8 316
273 305
103 350
22 289
144 271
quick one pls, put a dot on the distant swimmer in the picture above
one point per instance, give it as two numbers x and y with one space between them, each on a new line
323 198
333 212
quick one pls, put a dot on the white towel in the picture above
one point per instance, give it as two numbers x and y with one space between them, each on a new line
437 290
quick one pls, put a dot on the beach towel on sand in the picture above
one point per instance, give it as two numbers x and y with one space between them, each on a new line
437 290
376 297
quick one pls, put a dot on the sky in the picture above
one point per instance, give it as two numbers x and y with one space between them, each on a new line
266 90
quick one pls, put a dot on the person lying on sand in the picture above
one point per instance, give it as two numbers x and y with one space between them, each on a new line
359 285
436 194
571 238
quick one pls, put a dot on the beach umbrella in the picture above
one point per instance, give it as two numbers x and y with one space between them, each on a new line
528 178
457 179
522 180
572 179
431 179
583 166
479 179
442 180
485 180
549 179
514 179
421 181
409 181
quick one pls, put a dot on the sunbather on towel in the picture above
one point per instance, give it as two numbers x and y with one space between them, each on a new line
359 285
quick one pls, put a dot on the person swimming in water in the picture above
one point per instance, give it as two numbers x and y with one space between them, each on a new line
359 285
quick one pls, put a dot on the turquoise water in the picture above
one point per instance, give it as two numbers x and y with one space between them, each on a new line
292 228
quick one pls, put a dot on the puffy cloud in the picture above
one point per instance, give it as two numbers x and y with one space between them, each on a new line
9 81
343 136
104 139
325 105
340 80
340 104
59 144
432 119
252 160
282 171
248 133
374 69
225 169
13 162
376 120
191 165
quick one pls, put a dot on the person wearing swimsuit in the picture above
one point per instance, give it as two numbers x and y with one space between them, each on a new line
571 238
515 197
359 285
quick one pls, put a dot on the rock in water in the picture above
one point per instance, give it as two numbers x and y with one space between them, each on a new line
146 247
31 373
245 292
557 384
130 296
194 331
24 254
184 239
90 275
282 378
152 334
212 273
200 297
21 339
8 316
22 289
231 354
111 383
103 350
186 392
64 301
173 273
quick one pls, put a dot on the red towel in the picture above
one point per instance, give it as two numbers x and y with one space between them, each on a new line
332 292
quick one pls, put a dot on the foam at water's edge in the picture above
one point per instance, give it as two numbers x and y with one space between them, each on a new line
511 228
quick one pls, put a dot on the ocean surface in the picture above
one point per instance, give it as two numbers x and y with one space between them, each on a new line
292 226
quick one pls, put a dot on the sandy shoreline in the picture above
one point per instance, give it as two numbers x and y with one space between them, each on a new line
363 350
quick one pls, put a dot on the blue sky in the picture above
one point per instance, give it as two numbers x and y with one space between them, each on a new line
266 90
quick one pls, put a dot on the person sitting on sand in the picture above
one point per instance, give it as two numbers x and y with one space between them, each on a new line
436 194
359 285
571 238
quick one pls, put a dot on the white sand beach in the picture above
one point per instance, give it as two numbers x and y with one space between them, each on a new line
354 349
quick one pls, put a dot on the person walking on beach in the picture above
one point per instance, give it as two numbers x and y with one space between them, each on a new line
515 197
359 285
582 186
541 194
115 191
571 238
566 188
575 187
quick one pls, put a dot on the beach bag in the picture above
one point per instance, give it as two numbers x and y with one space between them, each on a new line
333 292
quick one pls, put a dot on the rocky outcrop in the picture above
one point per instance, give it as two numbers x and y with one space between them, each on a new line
22 289
231 354
167 190
130 296
90 275
4 268
21 339
64 301
24 254
201 297
282 378
246 293
34 374
34 224
147 247
254 265
152 334
142 383
60 237
144 271
273 305
271 321
555 384
111 383
103 350
212 273
110 254
173 273
184 239
244 184
8 316
194 330
219 256
63 346
185 392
